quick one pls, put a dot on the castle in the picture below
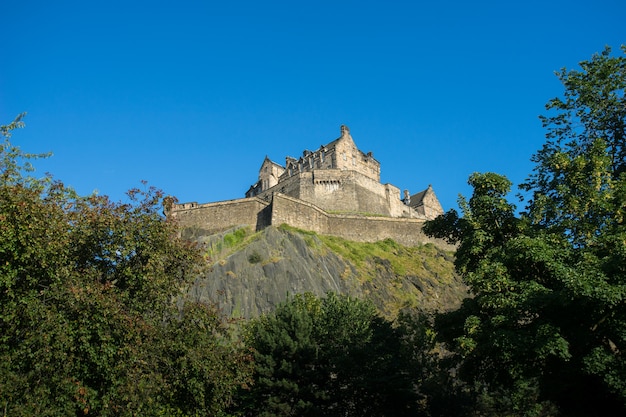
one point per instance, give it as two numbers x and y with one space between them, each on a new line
334 190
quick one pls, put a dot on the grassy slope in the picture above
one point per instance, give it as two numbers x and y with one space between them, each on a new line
393 276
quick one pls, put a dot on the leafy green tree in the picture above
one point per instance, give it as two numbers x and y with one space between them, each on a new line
328 357
439 392
546 328
203 361
581 163
87 305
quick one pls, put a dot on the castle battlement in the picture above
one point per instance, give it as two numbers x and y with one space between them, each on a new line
330 190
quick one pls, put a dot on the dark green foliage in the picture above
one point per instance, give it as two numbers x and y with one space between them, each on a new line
254 258
546 330
202 360
329 357
87 313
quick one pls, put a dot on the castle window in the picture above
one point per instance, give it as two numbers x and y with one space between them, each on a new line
344 156
353 160
322 156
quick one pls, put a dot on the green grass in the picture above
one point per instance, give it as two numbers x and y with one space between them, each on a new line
422 261
230 242
426 264
310 238
236 237
418 260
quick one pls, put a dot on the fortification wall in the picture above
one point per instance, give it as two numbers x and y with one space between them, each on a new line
407 232
307 216
348 191
298 213
293 185
198 220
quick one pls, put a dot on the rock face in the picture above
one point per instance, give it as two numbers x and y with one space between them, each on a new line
254 272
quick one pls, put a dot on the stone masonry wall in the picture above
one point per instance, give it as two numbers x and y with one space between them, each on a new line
298 213
349 157
199 220
307 216
336 190
343 191
205 219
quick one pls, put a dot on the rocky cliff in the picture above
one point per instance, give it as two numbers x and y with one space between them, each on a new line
253 272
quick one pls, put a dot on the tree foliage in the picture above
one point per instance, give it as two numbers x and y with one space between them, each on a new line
88 319
328 357
546 328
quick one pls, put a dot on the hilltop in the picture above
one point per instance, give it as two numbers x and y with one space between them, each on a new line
252 272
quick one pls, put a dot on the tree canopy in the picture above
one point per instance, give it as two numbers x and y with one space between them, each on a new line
88 316
328 357
546 329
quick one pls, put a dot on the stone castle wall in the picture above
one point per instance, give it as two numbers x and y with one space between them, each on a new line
199 220
304 215
345 191
205 219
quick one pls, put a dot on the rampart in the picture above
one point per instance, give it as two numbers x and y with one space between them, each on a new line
199 220
360 228
205 219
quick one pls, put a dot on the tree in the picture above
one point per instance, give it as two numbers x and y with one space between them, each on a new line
584 157
547 324
328 357
88 292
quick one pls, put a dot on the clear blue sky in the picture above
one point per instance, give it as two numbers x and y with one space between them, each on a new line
192 95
